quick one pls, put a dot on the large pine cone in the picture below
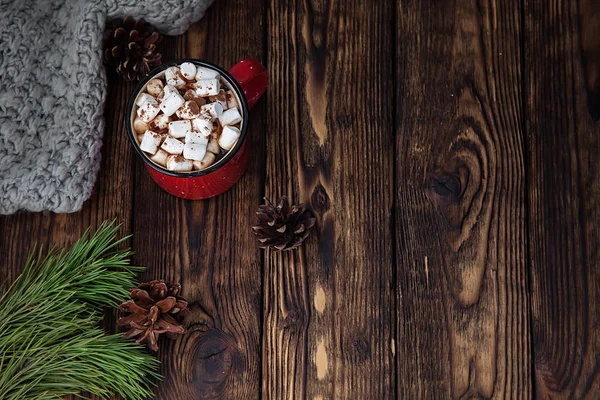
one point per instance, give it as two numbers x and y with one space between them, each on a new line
282 228
130 45
155 309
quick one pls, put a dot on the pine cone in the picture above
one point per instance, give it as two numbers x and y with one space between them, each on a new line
281 228
155 308
130 45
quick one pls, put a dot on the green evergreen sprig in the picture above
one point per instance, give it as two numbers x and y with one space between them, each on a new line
50 342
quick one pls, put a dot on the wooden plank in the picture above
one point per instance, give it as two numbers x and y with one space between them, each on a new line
208 245
463 305
329 305
562 49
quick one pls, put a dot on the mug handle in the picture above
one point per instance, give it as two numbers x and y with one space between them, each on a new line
252 77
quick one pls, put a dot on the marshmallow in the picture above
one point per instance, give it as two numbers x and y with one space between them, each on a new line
172 72
160 123
178 164
213 145
148 110
150 142
145 97
160 157
216 129
191 95
171 104
228 137
174 78
195 137
188 70
139 126
231 100
207 161
206 87
172 146
178 82
220 98
230 117
203 125
206 73
214 109
154 87
178 129
194 151
140 138
189 110
167 91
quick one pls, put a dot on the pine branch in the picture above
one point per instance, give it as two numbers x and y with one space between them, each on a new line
50 344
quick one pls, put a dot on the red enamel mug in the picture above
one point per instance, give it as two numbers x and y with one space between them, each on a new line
248 79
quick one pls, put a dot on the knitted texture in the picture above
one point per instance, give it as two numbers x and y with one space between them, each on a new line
52 91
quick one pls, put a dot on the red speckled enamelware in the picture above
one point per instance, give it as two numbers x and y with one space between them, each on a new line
248 79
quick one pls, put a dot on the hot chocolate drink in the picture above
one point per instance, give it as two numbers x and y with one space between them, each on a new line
187 118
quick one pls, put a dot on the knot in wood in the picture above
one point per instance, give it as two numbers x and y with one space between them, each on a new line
320 199
359 349
214 357
444 185
292 319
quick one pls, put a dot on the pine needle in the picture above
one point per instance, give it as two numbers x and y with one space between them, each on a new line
50 343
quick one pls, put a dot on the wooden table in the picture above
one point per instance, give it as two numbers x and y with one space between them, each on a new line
449 150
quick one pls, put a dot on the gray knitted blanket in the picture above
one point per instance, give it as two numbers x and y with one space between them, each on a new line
52 90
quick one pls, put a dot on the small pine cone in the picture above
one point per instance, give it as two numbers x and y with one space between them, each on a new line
282 228
155 308
130 45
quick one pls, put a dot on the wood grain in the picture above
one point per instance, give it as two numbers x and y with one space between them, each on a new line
449 151
208 245
328 306
463 302
563 137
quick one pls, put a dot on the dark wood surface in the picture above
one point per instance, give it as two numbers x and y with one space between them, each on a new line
562 139
449 150
462 286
